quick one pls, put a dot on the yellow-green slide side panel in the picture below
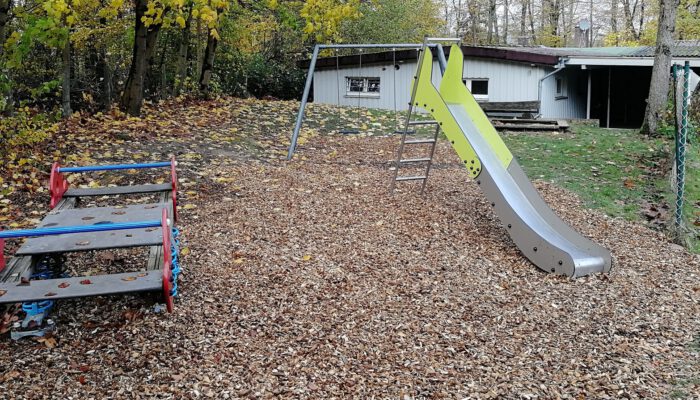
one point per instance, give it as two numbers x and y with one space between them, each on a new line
428 98
454 91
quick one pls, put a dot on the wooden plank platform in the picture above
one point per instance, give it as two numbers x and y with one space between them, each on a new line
523 124
116 190
21 266
82 286
96 240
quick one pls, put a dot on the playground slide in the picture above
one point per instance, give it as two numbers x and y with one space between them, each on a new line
538 232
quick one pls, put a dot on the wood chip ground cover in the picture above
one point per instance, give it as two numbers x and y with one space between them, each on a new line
308 280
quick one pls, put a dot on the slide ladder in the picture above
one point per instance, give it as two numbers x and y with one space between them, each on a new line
426 161
539 233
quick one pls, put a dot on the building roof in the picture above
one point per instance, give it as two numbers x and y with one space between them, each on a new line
680 49
539 55
507 54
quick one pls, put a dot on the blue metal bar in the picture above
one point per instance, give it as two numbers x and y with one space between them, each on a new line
114 167
60 230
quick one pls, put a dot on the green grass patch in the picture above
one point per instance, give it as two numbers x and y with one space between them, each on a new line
615 170
683 389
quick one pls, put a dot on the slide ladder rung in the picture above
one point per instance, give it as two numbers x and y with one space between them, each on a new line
420 141
411 178
414 160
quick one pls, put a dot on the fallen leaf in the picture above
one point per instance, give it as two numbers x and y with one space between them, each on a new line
49 342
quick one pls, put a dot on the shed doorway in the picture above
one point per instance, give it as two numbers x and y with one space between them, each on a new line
628 88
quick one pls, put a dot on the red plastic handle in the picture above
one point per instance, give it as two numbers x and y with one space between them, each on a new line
167 262
57 185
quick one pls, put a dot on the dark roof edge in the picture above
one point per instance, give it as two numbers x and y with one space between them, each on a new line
406 55
509 55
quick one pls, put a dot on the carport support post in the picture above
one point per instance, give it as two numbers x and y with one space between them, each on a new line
607 119
304 100
588 97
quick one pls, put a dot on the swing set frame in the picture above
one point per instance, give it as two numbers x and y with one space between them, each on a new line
442 62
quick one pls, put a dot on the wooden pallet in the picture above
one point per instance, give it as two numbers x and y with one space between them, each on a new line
512 124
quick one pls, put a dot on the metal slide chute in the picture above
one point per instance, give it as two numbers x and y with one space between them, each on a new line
538 232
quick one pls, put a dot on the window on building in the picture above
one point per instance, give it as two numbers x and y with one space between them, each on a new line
479 87
560 88
362 86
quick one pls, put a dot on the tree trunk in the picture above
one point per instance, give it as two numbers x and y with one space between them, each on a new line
65 86
613 21
658 88
104 74
532 22
551 12
182 54
145 39
523 25
495 22
491 27
641 20
208 64
5 8
150 85
629 18
200 57
506 17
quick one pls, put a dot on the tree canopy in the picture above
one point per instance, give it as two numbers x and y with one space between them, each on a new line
61 56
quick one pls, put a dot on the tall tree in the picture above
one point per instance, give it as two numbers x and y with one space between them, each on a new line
183 52
5 84
492 25
210 12
392 21
658 88
5 9
613 22
147 26
506 20
208 63
523 24
66 110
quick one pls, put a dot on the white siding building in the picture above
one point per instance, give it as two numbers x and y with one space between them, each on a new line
610 84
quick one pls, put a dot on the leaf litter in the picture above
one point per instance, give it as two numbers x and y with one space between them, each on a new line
309 280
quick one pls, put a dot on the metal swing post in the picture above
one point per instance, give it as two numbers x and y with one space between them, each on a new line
312 67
